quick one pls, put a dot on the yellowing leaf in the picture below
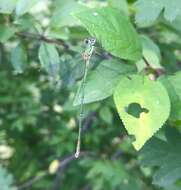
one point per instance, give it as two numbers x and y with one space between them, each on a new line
143 106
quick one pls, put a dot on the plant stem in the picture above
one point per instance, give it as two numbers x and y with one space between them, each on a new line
42 38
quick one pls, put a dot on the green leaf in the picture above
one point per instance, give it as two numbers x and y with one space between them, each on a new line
119 4
175 81
106 114
172 84
19 58
6 32
166 155
23 6
7 6
58 33
62 14
152 100
25 22
113 174
101 82
49 59
152 54
173 187
6 180
176 24
114 31
148 11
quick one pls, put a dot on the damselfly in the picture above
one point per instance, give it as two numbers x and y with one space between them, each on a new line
90 42
90 48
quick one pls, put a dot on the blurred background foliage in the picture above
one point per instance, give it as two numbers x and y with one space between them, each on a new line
38 122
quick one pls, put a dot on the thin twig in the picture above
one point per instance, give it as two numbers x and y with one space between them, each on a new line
63 164
42 38
29 183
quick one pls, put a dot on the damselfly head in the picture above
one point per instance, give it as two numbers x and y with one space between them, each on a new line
90 41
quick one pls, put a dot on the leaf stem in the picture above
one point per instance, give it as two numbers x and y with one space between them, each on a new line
157 72
42 38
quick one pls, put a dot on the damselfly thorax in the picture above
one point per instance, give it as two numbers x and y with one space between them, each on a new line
89 42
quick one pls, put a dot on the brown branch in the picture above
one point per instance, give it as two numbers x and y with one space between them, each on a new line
29 183
63 164
42 38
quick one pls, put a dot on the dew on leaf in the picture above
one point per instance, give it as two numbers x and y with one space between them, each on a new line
95 13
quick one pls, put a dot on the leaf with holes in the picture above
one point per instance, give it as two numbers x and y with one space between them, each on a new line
114 31
143 106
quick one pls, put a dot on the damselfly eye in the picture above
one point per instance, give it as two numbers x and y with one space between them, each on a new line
86 41
92 41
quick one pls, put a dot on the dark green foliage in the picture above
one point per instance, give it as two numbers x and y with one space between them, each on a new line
166 155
